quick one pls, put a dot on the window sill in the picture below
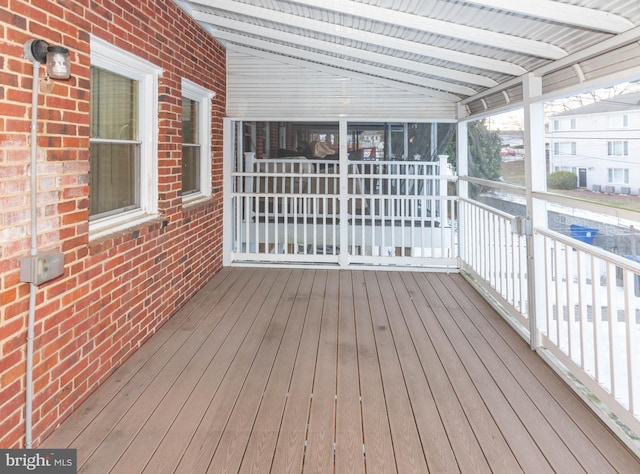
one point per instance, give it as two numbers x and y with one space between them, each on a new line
122 222
196 200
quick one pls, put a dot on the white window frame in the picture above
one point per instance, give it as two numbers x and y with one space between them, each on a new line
564 124
106 56
558 148
619 121
204 97
611 175
613 145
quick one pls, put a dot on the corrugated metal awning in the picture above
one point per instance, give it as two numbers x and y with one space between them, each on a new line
456 51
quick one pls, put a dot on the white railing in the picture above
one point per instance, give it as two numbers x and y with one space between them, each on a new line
592 322
496 255
588 313
295 210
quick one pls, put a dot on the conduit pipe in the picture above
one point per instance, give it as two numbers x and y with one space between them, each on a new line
34 251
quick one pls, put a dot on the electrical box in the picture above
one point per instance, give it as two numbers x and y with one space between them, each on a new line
521 226
42 267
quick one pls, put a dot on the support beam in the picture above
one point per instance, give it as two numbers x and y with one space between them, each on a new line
535 181
439 27
558 12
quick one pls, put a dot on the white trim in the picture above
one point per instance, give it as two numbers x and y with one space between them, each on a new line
119 61
203 96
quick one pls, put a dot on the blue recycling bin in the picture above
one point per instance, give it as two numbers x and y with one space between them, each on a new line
583 233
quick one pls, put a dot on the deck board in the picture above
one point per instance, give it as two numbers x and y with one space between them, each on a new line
319 453
406 441
263 437
349 442
379 456
310 370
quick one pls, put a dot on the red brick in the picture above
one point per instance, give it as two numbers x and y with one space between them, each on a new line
140 271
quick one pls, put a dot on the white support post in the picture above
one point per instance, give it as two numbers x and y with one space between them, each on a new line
343 258
462 169
227 185
535 181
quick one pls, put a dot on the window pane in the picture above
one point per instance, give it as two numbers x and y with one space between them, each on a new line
115 169
190 169
190 146
189 121
114 106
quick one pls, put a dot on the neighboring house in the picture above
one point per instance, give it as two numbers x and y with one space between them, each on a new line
600 143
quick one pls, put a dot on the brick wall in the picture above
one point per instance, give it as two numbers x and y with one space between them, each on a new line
118 290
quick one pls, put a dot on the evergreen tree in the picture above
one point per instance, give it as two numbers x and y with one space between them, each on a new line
484 151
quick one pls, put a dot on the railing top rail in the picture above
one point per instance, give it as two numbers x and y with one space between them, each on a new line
590 249
488 208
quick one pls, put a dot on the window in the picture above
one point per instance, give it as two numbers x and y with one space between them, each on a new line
564 124
618 175
123 139
618 148
196 140
564 148
618 121
571 169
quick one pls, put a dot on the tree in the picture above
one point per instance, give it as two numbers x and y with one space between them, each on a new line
484 151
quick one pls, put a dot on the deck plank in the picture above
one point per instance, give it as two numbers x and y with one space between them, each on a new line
231 447
440 418
379 455
349 450
319 455
139 369
197 457
134 403
408 448
261 446
229 339
486 430
312 370
597 451
504 403
290 447
139 432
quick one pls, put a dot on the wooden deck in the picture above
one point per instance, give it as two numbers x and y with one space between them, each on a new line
290 370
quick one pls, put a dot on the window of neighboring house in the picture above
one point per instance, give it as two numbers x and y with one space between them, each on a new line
618 121
564 148
564 124
618 148
572 169
196 140
618 175
123 150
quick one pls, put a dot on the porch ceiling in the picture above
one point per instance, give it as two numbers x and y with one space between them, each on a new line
454 50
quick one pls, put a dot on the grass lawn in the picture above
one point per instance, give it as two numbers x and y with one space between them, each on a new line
513 173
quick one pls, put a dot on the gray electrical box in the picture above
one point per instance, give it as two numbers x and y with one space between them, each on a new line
521 226
42 267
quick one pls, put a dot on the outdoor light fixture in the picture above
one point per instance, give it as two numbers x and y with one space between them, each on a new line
55 57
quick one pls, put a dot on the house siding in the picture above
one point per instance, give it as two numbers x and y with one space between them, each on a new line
118 290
